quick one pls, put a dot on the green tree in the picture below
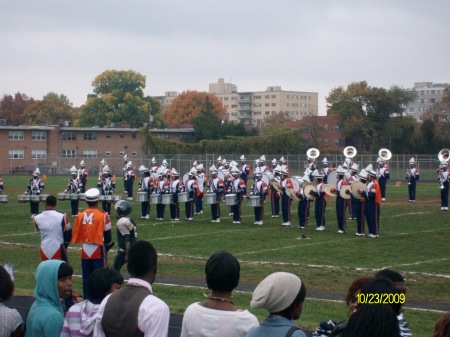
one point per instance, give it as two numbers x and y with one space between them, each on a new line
53 109
117 97
207 124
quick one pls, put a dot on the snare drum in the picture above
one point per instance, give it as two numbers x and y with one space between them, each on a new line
107 198
3 198
23 198
183 196
254 201
35 198
43 197
167 199
61 196
82 196
73 196
210 199
142 196
230 199
155 199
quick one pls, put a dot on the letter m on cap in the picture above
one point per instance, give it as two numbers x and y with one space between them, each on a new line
87 218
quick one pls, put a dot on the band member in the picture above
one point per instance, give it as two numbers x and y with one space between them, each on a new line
256 168
219 163
228 180
191 187
262 165
325 170
130 177
83 175
311 167
383 176
355 204
147 184
372 205
161 187
340 201
165 169
1 184
124 172
103 163
75 185
320 202
239 188
176 186
261 190
283 162
107 186
285 199
360 209
274 164
303 204
35 187
444 179
216 185
274 194
245 169
201 182
154 168
412 175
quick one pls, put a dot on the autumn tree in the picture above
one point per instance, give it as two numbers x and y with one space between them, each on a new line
117 97
12 108
364 112
52 109
189 104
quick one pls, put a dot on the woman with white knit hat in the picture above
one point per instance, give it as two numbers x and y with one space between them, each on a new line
282 295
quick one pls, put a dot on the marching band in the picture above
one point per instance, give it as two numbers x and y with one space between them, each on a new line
358 194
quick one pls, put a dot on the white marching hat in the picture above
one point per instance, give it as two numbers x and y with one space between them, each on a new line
369 168
199 167
73 170
278 169
194 163
340 170
325 160
412 161
125 157
242 157
142 168
256 161
283 169
165 163
306 178
153 160
363 174
219 159
274 162
193 171
380 160
36 172
234 169
355 167
82 163
103 162
316 174
262 158
213 168
174 172
347 163
92 194
105 169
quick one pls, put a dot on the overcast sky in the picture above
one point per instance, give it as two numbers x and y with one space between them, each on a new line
61 46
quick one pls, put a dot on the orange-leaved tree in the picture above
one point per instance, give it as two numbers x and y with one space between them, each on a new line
189 104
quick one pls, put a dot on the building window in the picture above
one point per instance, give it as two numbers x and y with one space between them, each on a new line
325 126
163 135
273 104
122 153
90 136
226 106
16 154
134 135
108 153
411 109
121 135
69 136
234 98
134 152
257 105
257 113
69 153
294 96
256 97
234 113
38 135
267 96
336 128
38 154
234 106
90 153
274 112
108 135
15 135
267 104
303 105
325 141
336 142
267 113
273 96
295 105
225 98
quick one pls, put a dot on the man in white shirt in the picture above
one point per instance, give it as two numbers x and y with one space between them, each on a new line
119 312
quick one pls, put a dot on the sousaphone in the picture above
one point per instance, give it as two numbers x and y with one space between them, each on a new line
355 186
313 153
385 154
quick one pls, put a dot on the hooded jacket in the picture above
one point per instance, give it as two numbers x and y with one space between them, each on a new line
46 316
80 319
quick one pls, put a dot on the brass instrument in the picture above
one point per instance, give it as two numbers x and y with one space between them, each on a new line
444 155
385 154
350 152
313 153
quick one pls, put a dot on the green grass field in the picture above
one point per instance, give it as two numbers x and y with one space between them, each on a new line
413 240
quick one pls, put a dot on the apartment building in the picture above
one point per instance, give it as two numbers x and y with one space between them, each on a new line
428 93
54 148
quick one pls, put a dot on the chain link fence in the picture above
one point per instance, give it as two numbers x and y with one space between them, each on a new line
57 165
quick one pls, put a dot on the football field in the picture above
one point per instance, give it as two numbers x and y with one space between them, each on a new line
413 240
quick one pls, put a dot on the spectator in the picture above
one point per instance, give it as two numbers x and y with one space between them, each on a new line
218 314
80 318
53 282
282 295
133 310
399 282
11 322
333 329
373 320
442 327
126 232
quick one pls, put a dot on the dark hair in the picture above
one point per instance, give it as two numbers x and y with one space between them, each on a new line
50 201
64 270
390 275
373 320
354 287
100 282
6 285
142 259
442 327
222 272
382 286
92 203
300 298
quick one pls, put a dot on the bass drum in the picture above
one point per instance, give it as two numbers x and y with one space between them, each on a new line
332 178
266 176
